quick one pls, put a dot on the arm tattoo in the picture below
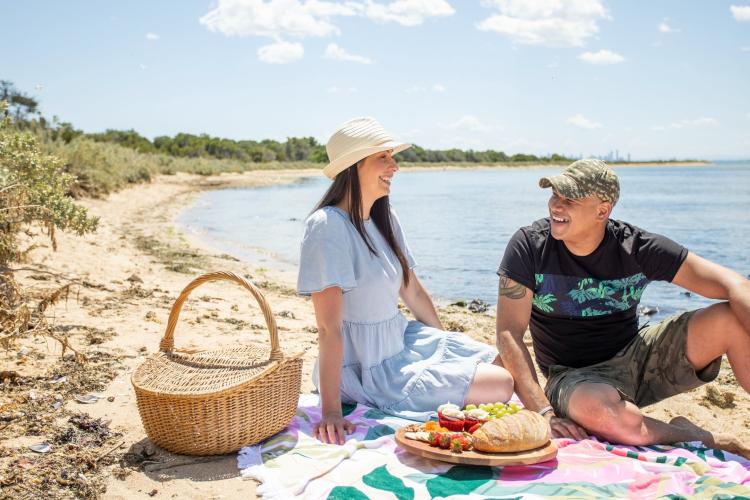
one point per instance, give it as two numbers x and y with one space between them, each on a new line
511 289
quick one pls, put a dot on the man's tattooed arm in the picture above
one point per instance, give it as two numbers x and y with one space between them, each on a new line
511 289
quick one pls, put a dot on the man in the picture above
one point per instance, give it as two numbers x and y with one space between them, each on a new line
575 279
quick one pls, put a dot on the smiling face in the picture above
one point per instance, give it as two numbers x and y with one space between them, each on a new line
376 174
580 222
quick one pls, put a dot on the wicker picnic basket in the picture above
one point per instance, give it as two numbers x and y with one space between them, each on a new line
215 402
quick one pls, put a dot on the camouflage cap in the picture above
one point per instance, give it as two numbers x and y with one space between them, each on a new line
583 178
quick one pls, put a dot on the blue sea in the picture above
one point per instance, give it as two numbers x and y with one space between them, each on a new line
458 222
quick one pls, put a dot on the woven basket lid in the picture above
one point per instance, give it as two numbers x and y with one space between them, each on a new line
202 373
172 372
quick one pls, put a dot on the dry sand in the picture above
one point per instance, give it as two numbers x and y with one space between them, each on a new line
128 275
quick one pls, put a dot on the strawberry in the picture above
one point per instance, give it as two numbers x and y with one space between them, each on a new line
445 441
456 446
474 427
434 438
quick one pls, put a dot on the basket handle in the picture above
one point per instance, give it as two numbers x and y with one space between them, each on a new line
167 342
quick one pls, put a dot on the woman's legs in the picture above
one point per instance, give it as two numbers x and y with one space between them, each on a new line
491 384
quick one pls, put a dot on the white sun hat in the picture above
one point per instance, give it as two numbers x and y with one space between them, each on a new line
356 139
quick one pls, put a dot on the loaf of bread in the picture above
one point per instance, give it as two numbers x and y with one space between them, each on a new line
521 431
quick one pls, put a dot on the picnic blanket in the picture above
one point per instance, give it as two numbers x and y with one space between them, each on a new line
371 465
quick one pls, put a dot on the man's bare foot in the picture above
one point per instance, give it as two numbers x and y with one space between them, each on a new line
724 442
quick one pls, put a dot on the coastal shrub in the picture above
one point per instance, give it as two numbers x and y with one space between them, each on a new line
33 192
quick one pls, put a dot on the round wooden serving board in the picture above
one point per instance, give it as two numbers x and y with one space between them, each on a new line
547 452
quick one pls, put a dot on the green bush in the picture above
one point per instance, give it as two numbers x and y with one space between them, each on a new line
33 191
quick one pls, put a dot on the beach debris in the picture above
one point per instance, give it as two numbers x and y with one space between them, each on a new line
460 303
111 399
32 395
23 351
87 399
40 448
478 306
287 314
648 311
151 316
722 399
59 380
454 326
74 466
687 294
153 492
134 278
8 377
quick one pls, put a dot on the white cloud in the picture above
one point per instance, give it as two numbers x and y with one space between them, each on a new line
333 51
741 12
152 36
554 23
277 17
698 122
665 28
581 121
143 67
415 89
438 87
408 12
601 57
470 123
342 90
281 52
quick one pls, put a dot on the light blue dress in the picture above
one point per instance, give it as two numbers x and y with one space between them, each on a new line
403 367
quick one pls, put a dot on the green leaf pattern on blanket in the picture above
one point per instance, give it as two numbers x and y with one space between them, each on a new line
375 414
347 408
379 431
459 480
563 490
277 446
346 493
381 479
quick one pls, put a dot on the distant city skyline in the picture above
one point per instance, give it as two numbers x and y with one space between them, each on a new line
659 80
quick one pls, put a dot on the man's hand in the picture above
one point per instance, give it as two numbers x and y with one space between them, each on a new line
333 428
564 427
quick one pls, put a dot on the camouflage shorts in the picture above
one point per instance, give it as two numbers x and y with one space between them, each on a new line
652 367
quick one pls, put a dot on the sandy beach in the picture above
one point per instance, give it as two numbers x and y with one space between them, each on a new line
125 279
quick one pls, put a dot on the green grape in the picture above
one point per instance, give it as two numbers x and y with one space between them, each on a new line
470 407
484 407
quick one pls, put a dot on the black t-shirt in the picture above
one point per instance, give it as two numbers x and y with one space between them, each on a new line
584 308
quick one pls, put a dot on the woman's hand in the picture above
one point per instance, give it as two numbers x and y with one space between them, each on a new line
332 428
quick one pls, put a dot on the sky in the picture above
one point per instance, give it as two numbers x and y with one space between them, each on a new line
653 79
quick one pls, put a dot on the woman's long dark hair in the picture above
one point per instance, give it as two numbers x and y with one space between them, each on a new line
380 213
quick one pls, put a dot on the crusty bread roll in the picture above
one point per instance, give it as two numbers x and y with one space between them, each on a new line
521 431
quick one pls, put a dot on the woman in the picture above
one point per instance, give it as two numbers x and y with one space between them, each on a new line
355 263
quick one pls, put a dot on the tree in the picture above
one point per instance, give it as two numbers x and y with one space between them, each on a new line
19 105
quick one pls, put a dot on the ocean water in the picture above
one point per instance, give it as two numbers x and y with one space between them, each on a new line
458 222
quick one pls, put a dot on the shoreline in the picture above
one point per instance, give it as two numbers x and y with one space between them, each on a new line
138 262
407 167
